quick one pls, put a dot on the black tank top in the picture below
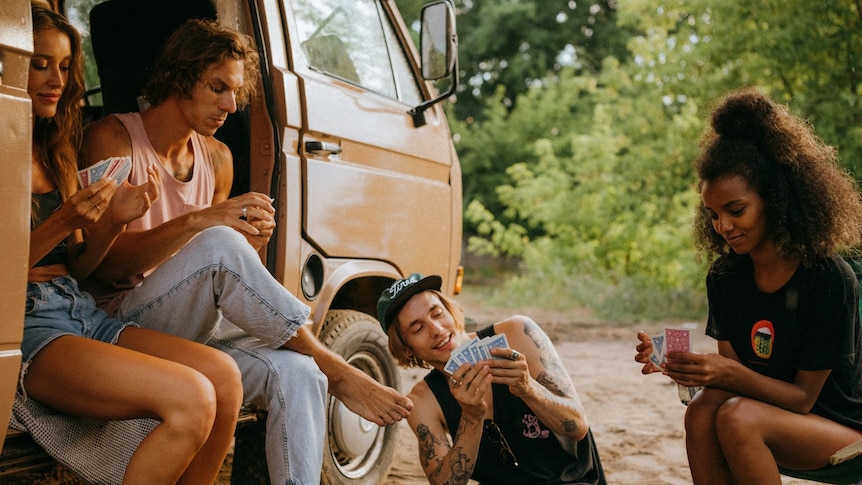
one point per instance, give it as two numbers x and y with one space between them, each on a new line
44 205
541 458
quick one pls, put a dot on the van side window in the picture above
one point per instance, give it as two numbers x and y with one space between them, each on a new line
354 41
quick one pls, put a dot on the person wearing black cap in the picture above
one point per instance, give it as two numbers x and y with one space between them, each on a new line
513 418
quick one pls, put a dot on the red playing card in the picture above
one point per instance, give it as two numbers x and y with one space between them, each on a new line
677 340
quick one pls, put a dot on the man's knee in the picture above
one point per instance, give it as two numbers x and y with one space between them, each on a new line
220 239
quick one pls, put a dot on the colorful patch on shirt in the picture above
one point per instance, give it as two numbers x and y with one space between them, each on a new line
763 339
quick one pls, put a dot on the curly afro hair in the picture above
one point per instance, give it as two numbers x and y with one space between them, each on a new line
813 206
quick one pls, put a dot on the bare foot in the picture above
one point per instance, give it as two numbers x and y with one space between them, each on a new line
361 394
368 398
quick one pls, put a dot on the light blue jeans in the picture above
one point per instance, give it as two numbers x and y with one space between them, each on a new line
216 290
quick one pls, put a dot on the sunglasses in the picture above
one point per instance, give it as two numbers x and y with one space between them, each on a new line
496 437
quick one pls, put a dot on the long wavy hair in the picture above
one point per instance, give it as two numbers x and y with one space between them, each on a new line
812 205
56 140
192 49
399 348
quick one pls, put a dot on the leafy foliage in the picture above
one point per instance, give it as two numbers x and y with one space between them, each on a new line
584 173
516 43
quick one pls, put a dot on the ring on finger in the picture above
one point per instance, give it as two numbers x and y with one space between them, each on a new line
454 382
244 213
515 355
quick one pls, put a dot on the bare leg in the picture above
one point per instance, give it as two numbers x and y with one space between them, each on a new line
93 379
222 372
755 436
705 457
357 390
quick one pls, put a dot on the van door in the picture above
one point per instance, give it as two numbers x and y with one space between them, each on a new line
375 185
16 125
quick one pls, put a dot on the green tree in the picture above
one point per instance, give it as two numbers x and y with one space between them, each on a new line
805 54
602 193
514 44
597 182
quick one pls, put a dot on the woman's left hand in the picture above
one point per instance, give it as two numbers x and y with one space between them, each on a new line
132 201
510 368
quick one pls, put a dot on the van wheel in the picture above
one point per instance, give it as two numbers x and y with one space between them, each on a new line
358 451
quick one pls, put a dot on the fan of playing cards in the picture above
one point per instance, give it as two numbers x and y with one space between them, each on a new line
117 168
475 350
674 340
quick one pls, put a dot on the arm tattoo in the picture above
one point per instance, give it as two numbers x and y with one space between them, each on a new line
427 444
554 378
554 367
552 383
460 467
570 425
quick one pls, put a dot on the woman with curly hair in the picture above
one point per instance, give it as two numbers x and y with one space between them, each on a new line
785 388
81 370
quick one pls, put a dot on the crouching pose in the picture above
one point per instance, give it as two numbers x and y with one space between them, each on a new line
514 417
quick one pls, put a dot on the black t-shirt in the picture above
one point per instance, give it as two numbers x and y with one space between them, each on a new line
811 323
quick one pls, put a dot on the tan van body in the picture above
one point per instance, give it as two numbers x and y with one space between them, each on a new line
16 46
366 189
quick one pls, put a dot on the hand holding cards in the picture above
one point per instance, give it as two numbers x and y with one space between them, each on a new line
674 339
117 168
475 350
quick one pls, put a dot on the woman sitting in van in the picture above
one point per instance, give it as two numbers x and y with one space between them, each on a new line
76 360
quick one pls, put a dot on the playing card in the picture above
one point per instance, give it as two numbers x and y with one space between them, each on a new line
83 178
467 351
116 167
99 170
677 340
451 366
460 355
496 341
119 169
482 348
657 356
473 352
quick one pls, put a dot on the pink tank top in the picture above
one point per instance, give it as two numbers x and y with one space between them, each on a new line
176 198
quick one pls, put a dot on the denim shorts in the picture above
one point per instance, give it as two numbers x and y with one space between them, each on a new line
56 308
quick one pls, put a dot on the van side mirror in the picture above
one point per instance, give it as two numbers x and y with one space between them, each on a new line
438 46
438 41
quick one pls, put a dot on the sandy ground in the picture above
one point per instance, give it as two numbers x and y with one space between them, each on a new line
636 420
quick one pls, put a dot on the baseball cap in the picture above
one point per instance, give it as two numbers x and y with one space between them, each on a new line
394 297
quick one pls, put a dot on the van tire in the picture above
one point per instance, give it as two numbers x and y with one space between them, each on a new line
357 451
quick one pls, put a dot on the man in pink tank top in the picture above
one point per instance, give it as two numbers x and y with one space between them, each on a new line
191 266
